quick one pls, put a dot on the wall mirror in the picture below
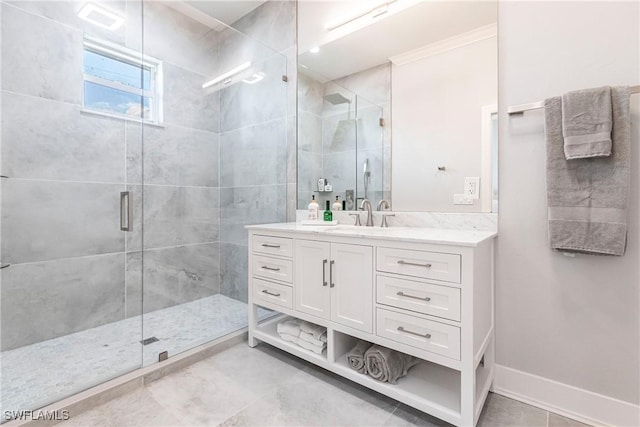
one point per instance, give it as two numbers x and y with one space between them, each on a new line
397 100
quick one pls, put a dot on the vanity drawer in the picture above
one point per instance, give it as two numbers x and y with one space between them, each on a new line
435 300
272 268
273 293
269 245
424 334
428 265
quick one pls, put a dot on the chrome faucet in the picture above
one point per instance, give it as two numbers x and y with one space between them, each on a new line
382 206
366 203
381 203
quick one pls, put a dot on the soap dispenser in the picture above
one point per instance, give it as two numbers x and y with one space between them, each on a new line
337 205
314 209
328 215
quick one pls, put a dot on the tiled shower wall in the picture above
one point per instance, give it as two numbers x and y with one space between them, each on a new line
257 137
72 268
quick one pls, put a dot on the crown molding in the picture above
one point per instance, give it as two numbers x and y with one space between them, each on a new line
464 39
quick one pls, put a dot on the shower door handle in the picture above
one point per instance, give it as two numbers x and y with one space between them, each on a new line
126 211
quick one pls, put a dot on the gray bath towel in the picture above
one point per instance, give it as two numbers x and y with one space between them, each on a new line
355 357
588 198
586 123
386 365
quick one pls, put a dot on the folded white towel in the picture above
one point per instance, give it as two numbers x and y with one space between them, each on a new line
289 338
308 346
304 336
289 327
316 330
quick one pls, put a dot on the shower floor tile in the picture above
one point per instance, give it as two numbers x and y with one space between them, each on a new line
39 374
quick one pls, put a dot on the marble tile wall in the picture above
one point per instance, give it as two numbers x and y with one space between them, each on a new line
60 216
310 137
257 140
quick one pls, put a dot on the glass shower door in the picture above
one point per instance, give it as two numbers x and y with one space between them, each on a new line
217 162
72 83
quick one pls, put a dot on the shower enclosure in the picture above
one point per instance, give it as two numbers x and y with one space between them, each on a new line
340 136
138 138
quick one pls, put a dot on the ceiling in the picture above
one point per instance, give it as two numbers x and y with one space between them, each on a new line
228 11
413 24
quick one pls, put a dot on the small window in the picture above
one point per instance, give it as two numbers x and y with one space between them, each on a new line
121 82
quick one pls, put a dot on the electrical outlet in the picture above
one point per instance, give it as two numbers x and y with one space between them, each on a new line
472 187
462 199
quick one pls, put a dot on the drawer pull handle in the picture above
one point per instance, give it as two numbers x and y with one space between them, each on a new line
402 294
264 245
270 268
273 294
324 272
401 262
402 329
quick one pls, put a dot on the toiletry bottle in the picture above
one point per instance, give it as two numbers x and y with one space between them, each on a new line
321 184
328 215
336 205
314 209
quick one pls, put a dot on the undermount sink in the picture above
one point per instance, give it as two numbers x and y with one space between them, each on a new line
363 230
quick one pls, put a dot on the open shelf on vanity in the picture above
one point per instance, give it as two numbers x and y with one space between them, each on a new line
428 386
267 332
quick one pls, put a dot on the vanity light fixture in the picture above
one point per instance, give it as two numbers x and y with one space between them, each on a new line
373 13
314 49
254 79
227 75
100 16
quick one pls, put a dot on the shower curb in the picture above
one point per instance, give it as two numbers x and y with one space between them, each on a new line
127 383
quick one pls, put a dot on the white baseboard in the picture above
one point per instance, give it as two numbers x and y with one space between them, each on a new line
572 402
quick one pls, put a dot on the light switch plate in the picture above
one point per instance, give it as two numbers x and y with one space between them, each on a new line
462 199
472 187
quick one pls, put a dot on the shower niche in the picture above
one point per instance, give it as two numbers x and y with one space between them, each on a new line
341 144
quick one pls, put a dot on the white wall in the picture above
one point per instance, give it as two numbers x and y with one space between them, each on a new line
436 107
572 320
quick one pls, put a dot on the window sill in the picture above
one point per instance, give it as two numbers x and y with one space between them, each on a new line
119 117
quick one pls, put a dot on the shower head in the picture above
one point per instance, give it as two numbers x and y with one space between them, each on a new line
336 99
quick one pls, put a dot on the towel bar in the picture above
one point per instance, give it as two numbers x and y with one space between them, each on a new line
521 108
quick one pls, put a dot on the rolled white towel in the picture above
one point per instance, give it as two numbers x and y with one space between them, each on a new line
308 346
304 336
289 327
317 331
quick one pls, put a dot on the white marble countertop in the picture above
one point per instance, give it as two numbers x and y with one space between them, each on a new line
440 236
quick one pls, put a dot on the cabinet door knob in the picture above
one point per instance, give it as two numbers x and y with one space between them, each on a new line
264 291
270 268
402 329
265 245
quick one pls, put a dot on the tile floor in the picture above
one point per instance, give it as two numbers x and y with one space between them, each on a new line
264 386
36 375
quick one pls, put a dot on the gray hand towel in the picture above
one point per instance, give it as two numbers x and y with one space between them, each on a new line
386 365
588 198
586 123
355 357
